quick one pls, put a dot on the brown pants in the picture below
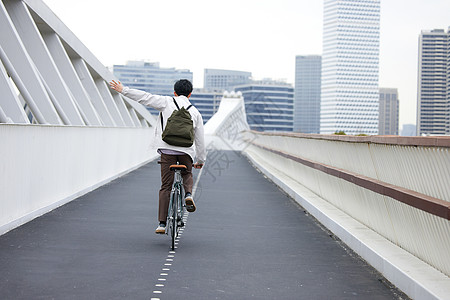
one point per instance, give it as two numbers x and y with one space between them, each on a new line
167 180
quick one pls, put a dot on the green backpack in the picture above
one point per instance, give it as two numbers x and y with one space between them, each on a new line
179 129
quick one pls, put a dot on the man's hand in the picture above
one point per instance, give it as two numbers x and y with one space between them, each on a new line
117 86
198 166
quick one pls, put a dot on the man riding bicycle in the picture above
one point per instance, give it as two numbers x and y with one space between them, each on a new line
171 154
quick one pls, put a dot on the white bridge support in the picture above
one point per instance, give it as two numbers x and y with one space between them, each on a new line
49 77
223 130
63 131
387 198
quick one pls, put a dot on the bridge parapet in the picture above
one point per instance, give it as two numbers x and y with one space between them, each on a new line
397 187
63 130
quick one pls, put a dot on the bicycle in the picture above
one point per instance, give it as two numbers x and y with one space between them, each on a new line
176 207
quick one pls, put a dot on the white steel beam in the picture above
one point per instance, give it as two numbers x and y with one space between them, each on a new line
10 104
141 111
64 64
41 57
123 110
134 116
104 91
18 56
91 88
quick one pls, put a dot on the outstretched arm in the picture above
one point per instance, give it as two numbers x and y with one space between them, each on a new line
155 101
117 86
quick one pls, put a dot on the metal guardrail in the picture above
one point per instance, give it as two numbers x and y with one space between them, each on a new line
399 187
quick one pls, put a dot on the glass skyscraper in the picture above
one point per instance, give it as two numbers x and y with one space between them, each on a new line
269 105
307 93
207 102
150 77
433 97
388 112
224 80
349 91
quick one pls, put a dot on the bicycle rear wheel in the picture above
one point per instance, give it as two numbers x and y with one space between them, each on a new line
174 223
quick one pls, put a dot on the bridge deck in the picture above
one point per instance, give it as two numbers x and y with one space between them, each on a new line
246 240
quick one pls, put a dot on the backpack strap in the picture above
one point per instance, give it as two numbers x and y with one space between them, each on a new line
176 103
178 106
162 121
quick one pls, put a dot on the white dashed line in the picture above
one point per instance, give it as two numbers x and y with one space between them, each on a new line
171 255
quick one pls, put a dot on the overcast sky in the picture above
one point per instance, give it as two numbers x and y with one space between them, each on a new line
258 36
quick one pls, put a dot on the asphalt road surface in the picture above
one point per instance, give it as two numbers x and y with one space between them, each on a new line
247 240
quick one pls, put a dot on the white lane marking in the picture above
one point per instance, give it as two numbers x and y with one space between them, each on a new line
171 255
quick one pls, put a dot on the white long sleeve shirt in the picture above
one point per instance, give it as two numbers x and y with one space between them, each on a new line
166 106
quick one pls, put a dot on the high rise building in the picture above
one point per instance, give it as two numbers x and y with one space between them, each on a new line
207 102
408 130
388 112
307 93
224 80
349 89
150 77
269 105
433 95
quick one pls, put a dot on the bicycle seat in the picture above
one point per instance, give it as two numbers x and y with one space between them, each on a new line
177 167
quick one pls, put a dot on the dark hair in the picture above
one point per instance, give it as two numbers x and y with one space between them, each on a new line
183 87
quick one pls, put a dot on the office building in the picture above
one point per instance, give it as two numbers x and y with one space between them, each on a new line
388 112
433 95
224 80
349 89
207 102
269 105
307 93
150 77
408 130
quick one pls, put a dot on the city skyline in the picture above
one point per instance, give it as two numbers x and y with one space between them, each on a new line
262 37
